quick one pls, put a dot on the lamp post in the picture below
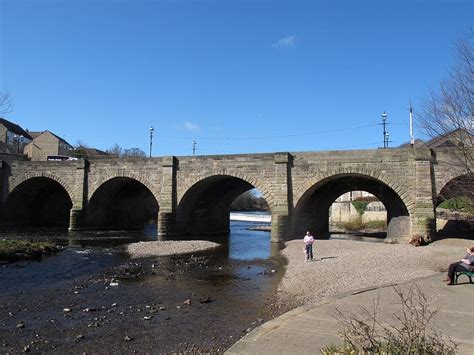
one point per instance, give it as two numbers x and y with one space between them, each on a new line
385 133
152 130
194 146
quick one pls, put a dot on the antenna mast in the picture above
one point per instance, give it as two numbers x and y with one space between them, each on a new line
412 137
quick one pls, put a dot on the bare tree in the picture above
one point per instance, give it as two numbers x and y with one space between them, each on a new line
6 103
133 152
448 110
116 150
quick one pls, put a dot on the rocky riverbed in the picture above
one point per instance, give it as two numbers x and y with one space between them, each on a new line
169 304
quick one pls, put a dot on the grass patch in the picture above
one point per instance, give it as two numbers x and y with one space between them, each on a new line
12 250
376 225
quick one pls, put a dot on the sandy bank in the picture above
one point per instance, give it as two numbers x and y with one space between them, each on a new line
342 266
172 247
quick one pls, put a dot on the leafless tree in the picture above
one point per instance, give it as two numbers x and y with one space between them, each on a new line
448 109
6 103
116 150
133 152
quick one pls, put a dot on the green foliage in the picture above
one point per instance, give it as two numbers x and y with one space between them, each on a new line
360 206
461 204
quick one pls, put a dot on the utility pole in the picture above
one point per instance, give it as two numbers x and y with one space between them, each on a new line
412 136
194 147
385 133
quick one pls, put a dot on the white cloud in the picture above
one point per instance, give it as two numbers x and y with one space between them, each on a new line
190 126
285 42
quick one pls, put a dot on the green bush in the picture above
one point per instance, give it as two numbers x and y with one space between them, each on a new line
360 206
462 204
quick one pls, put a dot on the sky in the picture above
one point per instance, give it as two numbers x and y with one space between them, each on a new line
235 76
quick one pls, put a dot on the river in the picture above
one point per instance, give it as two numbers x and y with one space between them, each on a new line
91 297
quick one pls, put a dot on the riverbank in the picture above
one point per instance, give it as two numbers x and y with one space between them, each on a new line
342 266
13 250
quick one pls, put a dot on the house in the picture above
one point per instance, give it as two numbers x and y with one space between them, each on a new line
12 138
456 138
45 144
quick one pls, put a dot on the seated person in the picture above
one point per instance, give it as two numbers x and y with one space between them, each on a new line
467 263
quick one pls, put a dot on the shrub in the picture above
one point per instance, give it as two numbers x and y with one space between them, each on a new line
354 224
364 333
360 206
462 204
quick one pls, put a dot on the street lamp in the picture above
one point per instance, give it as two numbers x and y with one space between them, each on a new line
385 133
152 130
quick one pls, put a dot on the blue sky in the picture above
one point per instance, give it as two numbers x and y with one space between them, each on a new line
236 76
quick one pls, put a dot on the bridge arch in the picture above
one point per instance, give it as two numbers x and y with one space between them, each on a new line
97 183
453 218
204 204
122 202
461 185
316 195
39 200
47 175
255 182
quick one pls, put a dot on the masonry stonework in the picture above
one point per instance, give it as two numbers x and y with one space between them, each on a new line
194 192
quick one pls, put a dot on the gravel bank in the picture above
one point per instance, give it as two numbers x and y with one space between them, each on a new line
342 266
171 247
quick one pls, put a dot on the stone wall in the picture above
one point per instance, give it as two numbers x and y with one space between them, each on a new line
297 186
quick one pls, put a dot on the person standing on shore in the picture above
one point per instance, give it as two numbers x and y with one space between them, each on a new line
466 263
308 246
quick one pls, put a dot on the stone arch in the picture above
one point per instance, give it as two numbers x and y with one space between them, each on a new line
17 182
38 200
122 202
321 176
314 197
455 186
138 177
263 188
204 203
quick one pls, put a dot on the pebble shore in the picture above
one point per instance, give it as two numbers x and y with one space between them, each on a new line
171 247
342 266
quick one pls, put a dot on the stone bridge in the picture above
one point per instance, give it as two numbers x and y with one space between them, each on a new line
191 195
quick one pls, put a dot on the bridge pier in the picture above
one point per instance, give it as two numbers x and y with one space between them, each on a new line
165 224
280 227
77 219
77 214
167 212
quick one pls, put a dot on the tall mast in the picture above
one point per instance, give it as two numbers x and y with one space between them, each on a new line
412 137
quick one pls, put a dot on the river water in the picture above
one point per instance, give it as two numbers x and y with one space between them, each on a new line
162 304
91 297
